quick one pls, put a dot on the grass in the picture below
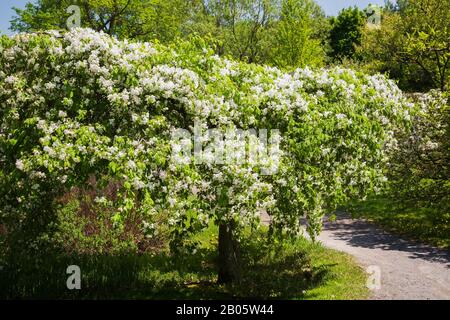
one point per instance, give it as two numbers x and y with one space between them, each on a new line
346 280
428 225
288 269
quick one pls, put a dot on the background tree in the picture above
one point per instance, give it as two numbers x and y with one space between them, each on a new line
158 19
242 25
379 51
426 24
412 45
294 42
285 33
346 32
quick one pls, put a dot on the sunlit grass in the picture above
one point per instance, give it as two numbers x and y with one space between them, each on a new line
425 224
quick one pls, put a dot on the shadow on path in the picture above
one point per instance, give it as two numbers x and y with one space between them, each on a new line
360 233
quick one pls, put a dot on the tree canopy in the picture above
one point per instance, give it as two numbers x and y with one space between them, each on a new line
412 44
253 31
346 32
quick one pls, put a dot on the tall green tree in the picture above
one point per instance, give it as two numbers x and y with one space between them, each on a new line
346 32
242 25
426 25
295 43
413 45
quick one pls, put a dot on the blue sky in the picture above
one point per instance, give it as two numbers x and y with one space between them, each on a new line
331 7
6 12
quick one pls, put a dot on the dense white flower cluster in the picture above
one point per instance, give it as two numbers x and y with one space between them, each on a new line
82 103
426 142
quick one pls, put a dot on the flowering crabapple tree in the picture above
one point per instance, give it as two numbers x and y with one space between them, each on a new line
82 104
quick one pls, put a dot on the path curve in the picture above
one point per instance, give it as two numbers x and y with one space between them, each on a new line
409 270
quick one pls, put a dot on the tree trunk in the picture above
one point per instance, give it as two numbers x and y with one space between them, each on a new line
229 255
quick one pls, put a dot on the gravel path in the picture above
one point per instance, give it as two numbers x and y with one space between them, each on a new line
408 270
